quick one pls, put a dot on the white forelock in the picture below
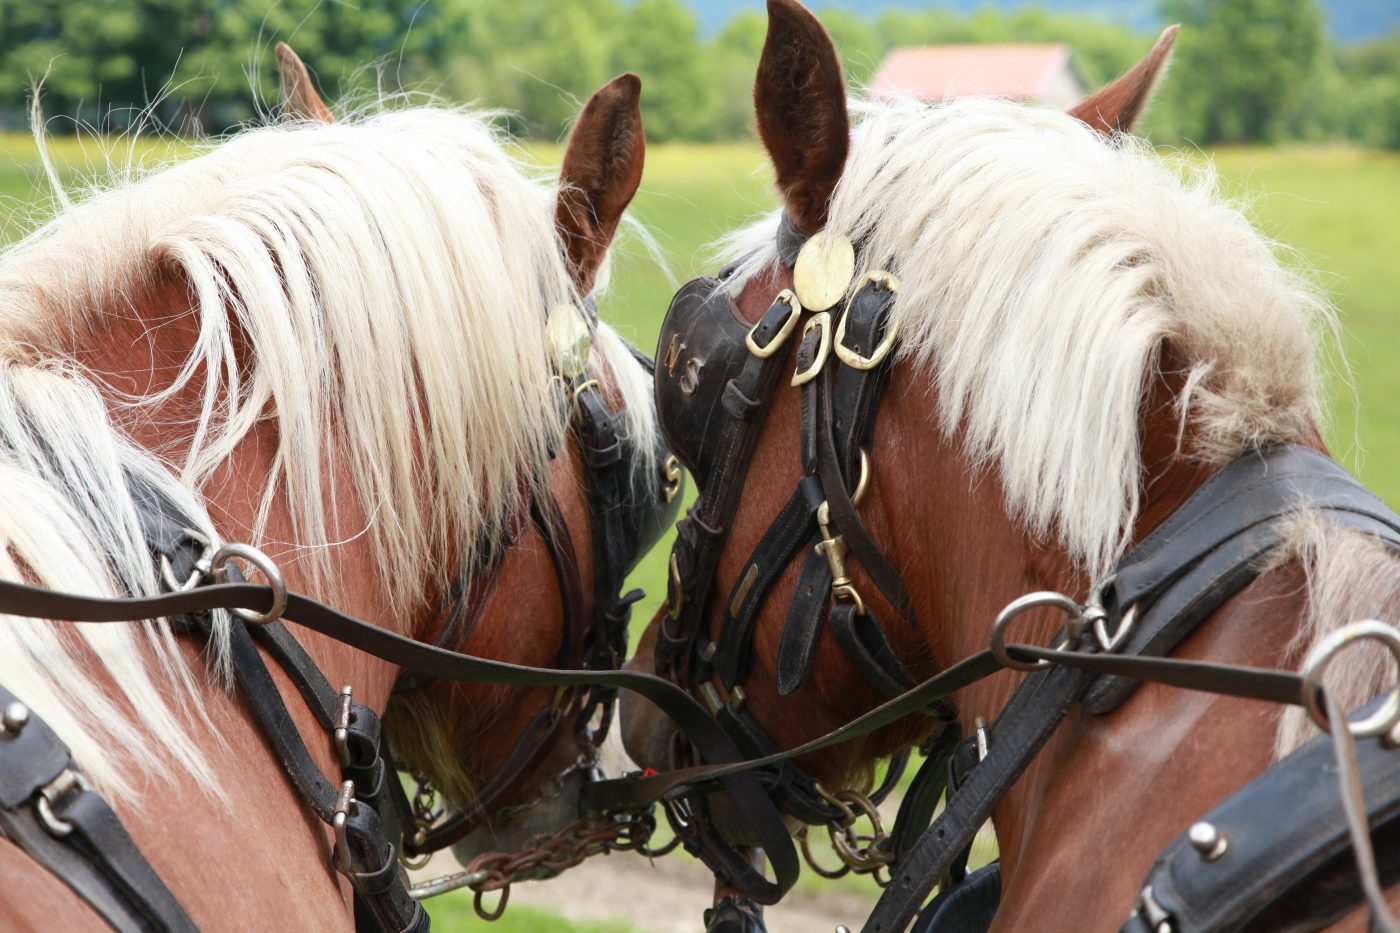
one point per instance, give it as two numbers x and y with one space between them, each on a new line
390 276
1042 267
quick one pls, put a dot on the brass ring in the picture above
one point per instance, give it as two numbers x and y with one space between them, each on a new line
864 482
1072 610
1382 720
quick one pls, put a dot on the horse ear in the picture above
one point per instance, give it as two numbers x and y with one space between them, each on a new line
800 100
1116 108
602 168
299 97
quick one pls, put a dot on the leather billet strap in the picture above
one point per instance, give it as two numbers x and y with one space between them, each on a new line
77 837
719 398
1271 873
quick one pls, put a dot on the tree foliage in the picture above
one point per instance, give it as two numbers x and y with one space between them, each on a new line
1246 70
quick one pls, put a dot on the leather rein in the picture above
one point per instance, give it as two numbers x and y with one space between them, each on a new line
50 811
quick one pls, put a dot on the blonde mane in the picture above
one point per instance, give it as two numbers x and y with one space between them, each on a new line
1042 268
390 275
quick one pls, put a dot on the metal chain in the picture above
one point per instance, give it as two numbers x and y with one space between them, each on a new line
862 853
549 854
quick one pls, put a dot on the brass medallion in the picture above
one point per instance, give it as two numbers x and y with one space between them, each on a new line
823 271
569 340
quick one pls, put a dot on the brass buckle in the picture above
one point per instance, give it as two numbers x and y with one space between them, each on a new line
850 357
823 320
776 344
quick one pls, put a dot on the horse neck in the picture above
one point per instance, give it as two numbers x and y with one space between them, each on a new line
140 354
1087 803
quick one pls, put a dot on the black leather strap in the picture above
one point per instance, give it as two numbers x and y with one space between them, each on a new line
790 240
91 851
1293 873
1211 547
1019 733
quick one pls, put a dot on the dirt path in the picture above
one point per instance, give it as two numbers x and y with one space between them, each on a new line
670 895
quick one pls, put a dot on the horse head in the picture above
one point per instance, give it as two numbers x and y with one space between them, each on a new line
983 349
369 348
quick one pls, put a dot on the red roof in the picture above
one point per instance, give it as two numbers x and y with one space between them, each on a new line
944 71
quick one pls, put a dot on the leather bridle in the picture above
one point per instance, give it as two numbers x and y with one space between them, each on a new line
40 787
715 383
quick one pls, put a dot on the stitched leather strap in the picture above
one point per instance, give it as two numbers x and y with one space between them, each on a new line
1282 873
94 856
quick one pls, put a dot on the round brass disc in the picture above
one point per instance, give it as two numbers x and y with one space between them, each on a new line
569 340
823 271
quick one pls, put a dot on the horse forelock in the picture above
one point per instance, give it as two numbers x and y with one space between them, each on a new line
1043 270
375 287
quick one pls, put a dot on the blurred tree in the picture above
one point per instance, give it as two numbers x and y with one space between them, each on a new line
660 40
858 41
1243 68
734 53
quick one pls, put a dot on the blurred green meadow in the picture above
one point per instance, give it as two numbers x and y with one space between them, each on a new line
1338 207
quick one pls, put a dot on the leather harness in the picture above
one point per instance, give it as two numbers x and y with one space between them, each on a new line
715 382
50 811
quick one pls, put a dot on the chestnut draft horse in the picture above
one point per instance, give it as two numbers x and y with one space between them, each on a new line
1074 335
361 347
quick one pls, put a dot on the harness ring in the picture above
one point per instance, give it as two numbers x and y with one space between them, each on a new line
268 569
1382 720
1074 617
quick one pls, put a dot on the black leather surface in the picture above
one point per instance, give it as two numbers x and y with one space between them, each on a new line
96 858
1210 548
968 907
1295 873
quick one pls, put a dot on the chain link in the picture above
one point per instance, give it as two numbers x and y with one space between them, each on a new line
549 854
862 853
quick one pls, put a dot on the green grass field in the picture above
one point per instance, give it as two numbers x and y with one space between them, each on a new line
1339 208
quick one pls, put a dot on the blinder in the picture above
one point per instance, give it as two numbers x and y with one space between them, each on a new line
704 349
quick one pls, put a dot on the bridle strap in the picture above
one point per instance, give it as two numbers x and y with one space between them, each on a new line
712 743
76 835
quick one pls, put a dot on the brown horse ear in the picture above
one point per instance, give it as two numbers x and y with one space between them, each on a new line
800 99
1116 108
299 97
602 168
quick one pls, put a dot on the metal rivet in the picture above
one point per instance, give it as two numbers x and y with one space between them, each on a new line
1207 840
16 717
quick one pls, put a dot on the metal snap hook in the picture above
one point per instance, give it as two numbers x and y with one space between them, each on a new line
1074 617
1383 719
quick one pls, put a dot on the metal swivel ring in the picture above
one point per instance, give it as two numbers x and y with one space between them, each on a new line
1382 720
1074 619
268 569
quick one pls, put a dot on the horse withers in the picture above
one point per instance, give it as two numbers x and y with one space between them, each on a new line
367 348
986 350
